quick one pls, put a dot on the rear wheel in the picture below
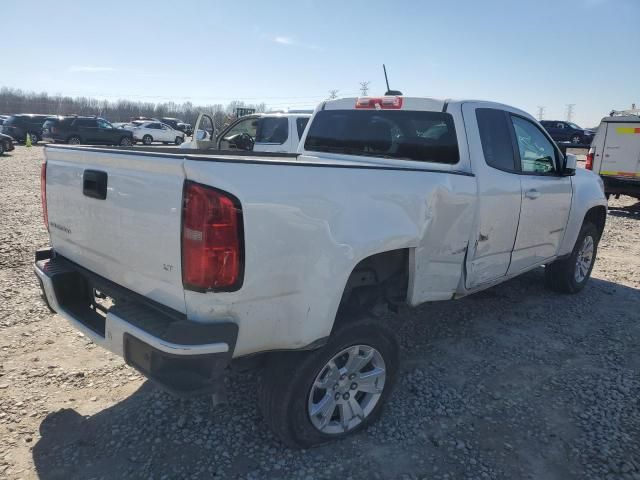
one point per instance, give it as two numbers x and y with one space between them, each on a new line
147 139
178 140
1 148
35 138
75 140
571 274
309 398
125 142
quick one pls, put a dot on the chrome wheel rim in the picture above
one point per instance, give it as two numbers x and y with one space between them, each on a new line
575 140
74 141
346 390
125 142
584 259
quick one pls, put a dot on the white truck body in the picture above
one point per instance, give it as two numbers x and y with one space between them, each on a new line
310 220
615 154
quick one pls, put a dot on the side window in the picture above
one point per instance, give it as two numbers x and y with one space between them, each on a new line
104 124
86 123
537 153
560 125
301 124
274 130
496 139
247 126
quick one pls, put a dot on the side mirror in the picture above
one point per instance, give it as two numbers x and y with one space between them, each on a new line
570 164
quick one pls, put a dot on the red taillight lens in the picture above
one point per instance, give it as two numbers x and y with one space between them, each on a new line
589 163
386 103
211 239
43 193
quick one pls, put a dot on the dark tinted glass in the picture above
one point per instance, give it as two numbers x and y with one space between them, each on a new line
10 121
301 123
272 130
86 122
495 138
405 135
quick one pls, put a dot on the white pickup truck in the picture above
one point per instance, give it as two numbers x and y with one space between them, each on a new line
186 262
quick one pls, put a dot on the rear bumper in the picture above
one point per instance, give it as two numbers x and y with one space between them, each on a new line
184 357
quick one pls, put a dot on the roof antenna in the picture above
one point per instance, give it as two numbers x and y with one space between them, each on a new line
386 79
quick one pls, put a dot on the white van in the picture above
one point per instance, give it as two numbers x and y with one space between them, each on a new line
615 155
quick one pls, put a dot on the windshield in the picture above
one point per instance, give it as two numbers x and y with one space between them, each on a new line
574 126
406 135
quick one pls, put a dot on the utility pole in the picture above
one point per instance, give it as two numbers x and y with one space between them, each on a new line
364 88
570 111
540 112
333 94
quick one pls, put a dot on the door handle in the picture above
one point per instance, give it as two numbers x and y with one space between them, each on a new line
94 184
532 194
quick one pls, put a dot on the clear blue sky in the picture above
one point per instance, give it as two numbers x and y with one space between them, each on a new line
289 54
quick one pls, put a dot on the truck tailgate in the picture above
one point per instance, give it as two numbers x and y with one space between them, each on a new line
132 235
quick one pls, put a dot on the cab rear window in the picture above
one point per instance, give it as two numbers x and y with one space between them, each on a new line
397 134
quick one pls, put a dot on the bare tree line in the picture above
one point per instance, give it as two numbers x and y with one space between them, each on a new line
17 101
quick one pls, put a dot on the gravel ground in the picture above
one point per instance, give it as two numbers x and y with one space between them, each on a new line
514 382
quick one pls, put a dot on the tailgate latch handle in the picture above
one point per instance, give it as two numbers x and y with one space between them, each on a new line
94 184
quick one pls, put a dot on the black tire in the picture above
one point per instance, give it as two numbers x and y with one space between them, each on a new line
2 148
560 276
74 140
147 139
35 138
178 140
576 139
285 386
125 142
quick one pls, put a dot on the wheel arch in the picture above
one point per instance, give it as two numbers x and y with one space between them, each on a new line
378 278
598 216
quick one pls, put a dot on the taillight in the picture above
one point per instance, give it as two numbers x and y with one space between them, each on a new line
589 163
43 193
212 250
386 103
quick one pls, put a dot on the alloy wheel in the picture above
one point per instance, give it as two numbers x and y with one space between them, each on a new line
584 259
346 390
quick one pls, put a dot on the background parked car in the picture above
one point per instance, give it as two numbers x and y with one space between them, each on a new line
17 126
177 124
84 130
149 132
568 132
6 143
3 118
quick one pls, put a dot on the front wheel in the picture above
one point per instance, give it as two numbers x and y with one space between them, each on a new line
74 140
576 139
1 148
125 142
310 398
571 274
178 140
147 139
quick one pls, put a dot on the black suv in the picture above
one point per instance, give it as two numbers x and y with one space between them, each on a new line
84 130
568 132
17 126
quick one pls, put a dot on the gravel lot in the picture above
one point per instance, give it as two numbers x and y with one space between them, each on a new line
515 382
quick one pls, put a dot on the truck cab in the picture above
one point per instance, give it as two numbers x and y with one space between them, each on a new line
263 132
